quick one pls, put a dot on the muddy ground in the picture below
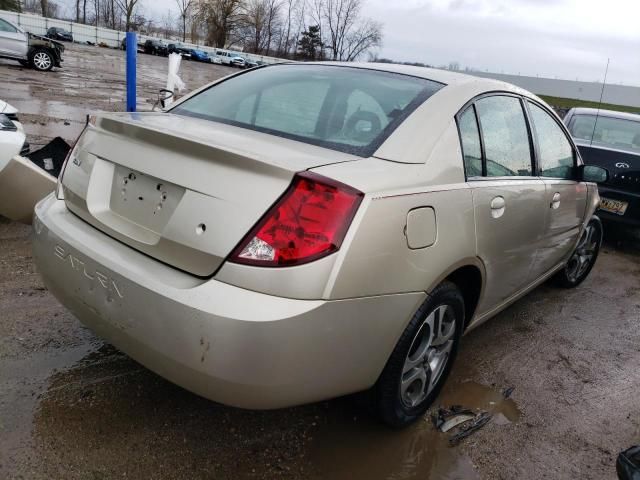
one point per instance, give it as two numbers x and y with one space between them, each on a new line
73 407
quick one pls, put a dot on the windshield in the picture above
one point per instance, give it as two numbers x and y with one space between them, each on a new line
616 133
347 109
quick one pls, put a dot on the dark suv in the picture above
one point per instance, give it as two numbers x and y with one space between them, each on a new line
181 49
611 140
57 33
155 47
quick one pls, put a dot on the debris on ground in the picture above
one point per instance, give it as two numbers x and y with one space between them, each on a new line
468 428
456 420
463 419
443 414
506 393
51 157
628 464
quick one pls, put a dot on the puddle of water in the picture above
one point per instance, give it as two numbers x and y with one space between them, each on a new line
22 382
480 397
359 447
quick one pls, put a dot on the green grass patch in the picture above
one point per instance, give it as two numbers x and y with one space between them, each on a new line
559 102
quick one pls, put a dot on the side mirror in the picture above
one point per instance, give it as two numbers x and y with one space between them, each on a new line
163 96
593 173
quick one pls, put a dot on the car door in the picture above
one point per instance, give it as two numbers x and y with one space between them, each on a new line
12 41
508 199
566 197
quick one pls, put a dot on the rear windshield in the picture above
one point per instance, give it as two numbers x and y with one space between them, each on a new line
616 133
347 109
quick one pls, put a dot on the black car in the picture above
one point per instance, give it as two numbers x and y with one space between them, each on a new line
123 45
611 140
181 49
57 33
155 47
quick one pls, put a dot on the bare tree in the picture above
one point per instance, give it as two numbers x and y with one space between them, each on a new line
128 9
221 18
185 9
366 36
347 34
260 23
285 36
168 24
44 6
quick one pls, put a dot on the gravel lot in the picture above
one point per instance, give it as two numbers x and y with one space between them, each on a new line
73 407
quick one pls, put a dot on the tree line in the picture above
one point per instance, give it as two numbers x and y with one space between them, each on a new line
300 29
309 29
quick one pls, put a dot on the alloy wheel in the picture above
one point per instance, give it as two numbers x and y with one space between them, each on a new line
428 355
584 254
42 60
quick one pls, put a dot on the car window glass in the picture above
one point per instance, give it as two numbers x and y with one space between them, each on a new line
616 133
292 107
7 27
341 108
504 131
364 119
470 138
555 153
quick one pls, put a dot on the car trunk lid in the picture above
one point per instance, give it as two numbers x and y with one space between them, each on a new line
179 189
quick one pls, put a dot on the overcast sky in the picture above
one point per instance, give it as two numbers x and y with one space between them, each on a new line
552 38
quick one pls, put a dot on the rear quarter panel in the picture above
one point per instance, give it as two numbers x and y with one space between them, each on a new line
375 258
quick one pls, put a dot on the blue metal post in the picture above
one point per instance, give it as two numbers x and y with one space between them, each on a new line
132 49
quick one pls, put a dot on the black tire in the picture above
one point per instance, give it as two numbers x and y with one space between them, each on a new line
573 274
41 59
386 398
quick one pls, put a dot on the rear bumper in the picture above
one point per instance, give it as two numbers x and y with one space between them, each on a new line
631 216
235 346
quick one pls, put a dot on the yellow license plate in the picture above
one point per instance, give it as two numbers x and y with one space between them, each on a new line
613 206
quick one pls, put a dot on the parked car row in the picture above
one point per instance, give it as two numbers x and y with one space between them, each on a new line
222 57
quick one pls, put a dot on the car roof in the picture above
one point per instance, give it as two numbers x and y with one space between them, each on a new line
446 77
606 113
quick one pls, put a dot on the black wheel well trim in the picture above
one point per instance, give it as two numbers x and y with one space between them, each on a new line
470 281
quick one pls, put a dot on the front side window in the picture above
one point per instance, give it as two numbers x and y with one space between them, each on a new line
616 133
7 27
470 139
505 136
351 110
555 153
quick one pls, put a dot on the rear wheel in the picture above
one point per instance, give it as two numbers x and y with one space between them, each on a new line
41 59
584 256
422 359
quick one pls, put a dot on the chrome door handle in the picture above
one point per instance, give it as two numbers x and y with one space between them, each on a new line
555 201
497 207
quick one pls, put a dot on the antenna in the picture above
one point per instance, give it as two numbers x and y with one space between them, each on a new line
604 82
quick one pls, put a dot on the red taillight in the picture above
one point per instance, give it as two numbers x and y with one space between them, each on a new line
308 222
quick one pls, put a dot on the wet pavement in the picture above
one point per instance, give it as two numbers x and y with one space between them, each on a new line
74 407
56 103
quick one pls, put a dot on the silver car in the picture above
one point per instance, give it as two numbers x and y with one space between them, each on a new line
299 232
38 52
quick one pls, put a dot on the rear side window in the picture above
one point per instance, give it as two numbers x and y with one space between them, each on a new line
505 136
470 139
7 27
351 110
555 153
